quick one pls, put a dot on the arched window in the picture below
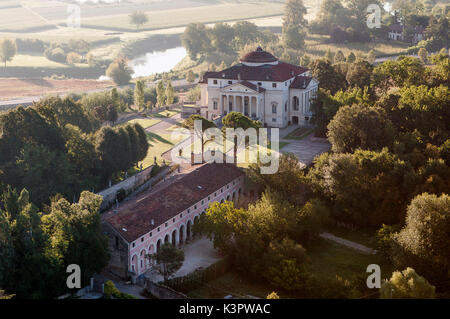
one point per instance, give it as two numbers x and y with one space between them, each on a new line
295 103
274 107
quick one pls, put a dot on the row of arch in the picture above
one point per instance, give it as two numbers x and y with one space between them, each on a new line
178 236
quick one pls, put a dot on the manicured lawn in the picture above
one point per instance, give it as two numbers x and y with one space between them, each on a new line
231 283
363 237
144 122
329 259
242 156
159 143
168 113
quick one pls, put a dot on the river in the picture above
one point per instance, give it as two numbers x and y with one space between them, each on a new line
157 61
154 62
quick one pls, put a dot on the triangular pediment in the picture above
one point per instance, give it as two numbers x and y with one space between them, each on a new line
240 87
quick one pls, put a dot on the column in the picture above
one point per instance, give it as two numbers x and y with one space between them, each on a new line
257 106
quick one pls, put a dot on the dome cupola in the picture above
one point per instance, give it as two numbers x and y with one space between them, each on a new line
258 57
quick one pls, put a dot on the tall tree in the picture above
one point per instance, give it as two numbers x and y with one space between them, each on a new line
119 71
138 19
168 260
423 242
75 234
161 94
25 268
360 127
8 50
195 39
294 14
170 95
294 24
139 97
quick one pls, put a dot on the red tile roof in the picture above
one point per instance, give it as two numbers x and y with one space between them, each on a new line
277 73
136 217
300 82
252 86
259 56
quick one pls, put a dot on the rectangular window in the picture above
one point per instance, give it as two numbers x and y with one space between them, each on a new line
230 82
151 234
215 81
274 85
259 83
166 224
142 239
274 108
274 120
158 229
215 105
117 242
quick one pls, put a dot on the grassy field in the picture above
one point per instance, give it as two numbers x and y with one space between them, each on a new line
159 143
364 237
328 260
154 118
38 60
20 19
145 123
181 17
231 283
317 46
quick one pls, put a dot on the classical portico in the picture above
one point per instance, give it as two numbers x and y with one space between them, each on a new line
241 97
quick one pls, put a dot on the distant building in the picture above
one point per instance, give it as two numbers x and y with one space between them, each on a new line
142 225
261 87
396 33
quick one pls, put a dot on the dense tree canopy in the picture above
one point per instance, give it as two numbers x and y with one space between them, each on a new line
423 242
359 126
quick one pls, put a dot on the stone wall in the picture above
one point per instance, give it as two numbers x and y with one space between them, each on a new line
118 251
129 185
163 292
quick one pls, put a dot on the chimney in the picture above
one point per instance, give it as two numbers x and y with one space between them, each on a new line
239 76
153 222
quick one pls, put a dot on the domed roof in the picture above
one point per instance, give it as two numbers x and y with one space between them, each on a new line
259 56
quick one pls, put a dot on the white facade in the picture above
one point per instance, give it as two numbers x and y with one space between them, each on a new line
276 103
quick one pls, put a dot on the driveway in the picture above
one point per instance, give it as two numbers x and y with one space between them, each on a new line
307 148
199 253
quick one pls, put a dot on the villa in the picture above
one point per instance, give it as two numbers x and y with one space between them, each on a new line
261 87
396 33
141 226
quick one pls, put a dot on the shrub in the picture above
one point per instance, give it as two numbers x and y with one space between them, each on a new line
110 291
73 58
406 284
119 71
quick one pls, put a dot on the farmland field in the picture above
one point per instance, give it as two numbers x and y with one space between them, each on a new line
15 88
180 17
317 46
